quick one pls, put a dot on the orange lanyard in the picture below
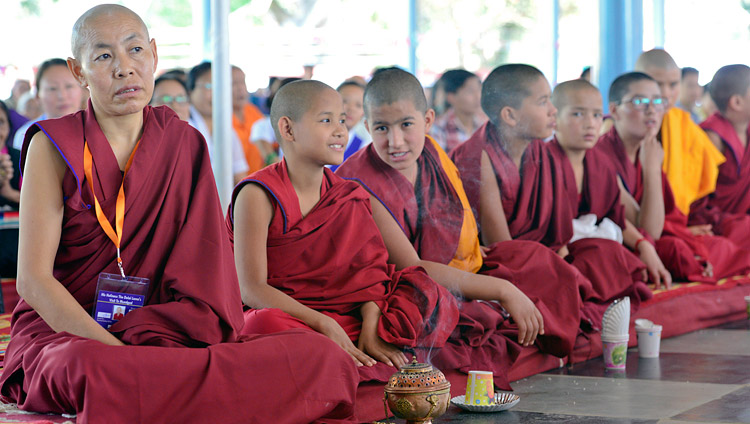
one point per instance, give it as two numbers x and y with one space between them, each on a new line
116 237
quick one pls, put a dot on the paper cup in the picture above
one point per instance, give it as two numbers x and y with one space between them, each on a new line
480 388
615 351
649 340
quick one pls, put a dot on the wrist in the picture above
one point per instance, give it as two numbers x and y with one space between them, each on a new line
638 246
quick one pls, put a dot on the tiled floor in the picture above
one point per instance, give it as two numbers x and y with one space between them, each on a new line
700 377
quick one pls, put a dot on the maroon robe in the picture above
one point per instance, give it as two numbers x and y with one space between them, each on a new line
184 359
431 215
613 270
334 259
526 194
727 209
677 247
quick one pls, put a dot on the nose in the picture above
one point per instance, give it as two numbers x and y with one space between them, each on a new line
341 130
123 66
395 139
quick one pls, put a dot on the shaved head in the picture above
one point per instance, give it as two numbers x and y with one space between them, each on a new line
293 100
81 31
392 85
507 85
730 80
655 59
563 91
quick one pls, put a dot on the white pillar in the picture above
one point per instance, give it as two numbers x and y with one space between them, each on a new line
222 100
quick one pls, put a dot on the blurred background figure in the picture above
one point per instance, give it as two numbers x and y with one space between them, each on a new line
690 93
244 115
463 93
20 87
201 118
353 93
29 105
58 92
170 90
10 185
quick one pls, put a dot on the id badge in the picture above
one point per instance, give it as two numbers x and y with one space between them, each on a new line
116 296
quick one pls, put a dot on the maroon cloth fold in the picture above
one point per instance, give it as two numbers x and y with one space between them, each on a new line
611 268
184 343
334 259
431 210
727 208
526 194
682 253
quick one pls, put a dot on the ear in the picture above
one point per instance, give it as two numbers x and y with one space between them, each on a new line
429 118
735 102
153 51
613 112
367 125
285 129
508 116
75 69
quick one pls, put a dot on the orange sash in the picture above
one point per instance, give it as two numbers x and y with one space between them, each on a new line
468 255
114 235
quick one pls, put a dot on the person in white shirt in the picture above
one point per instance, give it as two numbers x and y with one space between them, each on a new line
199 88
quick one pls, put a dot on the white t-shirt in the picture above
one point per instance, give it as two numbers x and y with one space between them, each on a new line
239 164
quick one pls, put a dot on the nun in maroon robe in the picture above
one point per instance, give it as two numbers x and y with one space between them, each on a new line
184 359
727 209
613 270
527 195
682 253
536 203
431 215
334 259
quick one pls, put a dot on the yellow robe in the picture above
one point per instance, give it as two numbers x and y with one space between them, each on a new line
468 255
691 161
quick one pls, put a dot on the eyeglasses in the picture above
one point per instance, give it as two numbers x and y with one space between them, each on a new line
165 100
641 103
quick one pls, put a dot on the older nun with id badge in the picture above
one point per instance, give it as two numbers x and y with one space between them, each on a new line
130 307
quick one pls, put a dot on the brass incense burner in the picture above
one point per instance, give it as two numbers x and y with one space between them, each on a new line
418 393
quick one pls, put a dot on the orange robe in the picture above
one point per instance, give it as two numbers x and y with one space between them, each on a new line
250 115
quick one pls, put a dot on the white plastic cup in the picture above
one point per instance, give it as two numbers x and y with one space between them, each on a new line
649 339
615 351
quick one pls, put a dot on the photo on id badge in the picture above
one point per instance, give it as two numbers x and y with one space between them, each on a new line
116 296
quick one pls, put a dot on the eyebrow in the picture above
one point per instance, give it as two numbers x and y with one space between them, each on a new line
404 119
101 45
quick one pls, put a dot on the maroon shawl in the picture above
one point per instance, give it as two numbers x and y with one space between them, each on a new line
483 338
173 235
612 269
728 207
334 259
677 247
527 194
429 213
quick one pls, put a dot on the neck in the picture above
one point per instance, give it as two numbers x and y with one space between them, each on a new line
513 144
305 176
740 124
410 173
632 143
238 113
121 131
466 120
575 156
